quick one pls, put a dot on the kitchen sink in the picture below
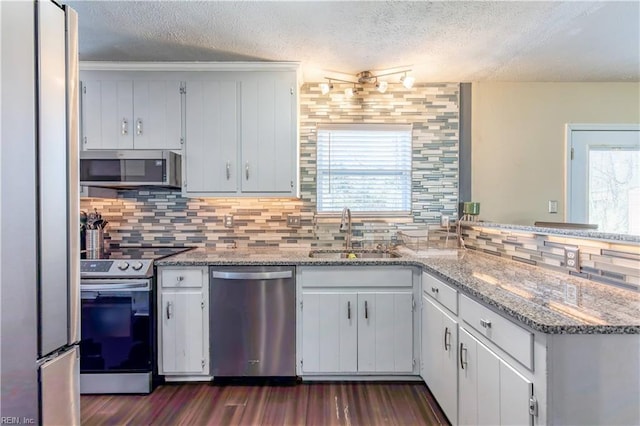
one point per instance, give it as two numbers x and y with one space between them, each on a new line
372 254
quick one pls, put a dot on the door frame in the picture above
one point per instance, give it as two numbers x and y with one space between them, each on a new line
569 128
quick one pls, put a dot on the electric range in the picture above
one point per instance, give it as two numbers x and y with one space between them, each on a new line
118 327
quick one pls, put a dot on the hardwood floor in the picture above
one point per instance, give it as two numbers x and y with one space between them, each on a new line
343 403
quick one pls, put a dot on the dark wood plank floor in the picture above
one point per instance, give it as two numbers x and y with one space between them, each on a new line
303 404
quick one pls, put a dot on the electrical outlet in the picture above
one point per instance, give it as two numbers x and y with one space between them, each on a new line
571 294
572 258
293 221
228 221
553 206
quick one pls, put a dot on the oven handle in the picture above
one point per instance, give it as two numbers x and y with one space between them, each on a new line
113 286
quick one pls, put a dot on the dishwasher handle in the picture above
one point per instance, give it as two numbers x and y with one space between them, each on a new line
275 275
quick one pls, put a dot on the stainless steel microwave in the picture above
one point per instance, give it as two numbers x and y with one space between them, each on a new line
130 168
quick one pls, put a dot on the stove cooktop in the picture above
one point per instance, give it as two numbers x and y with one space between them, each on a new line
124 262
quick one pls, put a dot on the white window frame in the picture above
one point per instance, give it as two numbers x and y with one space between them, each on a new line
568 181
365 127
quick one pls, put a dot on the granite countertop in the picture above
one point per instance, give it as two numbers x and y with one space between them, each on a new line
547 301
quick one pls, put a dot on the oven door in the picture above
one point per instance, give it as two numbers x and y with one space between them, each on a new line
116 326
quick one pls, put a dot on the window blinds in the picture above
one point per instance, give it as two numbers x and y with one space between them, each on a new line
364 167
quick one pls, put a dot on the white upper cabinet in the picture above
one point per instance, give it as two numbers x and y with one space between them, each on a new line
269 132
241 134
212 134
130 111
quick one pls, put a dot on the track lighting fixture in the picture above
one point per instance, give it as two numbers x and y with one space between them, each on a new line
326 87
365 78
407 81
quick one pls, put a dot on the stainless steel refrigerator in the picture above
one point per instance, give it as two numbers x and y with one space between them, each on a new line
39 237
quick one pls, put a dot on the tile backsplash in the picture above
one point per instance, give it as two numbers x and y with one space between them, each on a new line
157 216
608 262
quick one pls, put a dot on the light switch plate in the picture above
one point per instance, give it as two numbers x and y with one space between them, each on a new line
228 221
572 258
293 221
553 206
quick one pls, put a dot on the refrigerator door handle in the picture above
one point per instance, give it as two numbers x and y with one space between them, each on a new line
73 136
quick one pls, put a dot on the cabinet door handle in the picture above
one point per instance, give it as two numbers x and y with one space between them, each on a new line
463 363
485 323
246 170
435 289
124 127
228 170
447 342
138 127
366 310
349 310
169 309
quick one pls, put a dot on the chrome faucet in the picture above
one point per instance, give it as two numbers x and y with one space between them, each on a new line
459 231
346 221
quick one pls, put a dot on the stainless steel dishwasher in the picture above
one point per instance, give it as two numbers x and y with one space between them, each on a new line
253 321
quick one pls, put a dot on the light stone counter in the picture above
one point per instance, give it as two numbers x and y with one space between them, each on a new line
547 301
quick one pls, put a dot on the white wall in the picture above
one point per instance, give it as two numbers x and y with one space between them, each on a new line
518 141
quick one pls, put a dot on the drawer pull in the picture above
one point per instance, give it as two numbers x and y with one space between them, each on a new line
435 289
169 309
485 323
349 310
463 363
179 278
447 342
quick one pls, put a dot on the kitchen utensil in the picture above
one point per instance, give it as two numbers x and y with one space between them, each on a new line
95 239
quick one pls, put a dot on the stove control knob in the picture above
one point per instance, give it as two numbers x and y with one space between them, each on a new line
123 266
137 266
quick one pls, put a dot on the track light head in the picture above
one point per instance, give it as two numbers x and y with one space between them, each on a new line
407 81
326 87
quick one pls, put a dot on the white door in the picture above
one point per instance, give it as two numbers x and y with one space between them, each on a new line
183 340
515 391
268 132
431 359
157 115
603 181
211 145
439 350
488 369
107 114
449 372
330 330
385 332
468 379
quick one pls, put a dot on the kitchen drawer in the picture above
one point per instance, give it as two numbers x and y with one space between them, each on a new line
512 338
183 277
365 276
440 291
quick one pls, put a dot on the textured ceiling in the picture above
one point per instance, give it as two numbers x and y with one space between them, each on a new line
440 41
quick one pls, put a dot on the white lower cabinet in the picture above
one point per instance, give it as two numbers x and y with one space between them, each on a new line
357 332
183 322
491 392
330 332
471 382
439 361
385 332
